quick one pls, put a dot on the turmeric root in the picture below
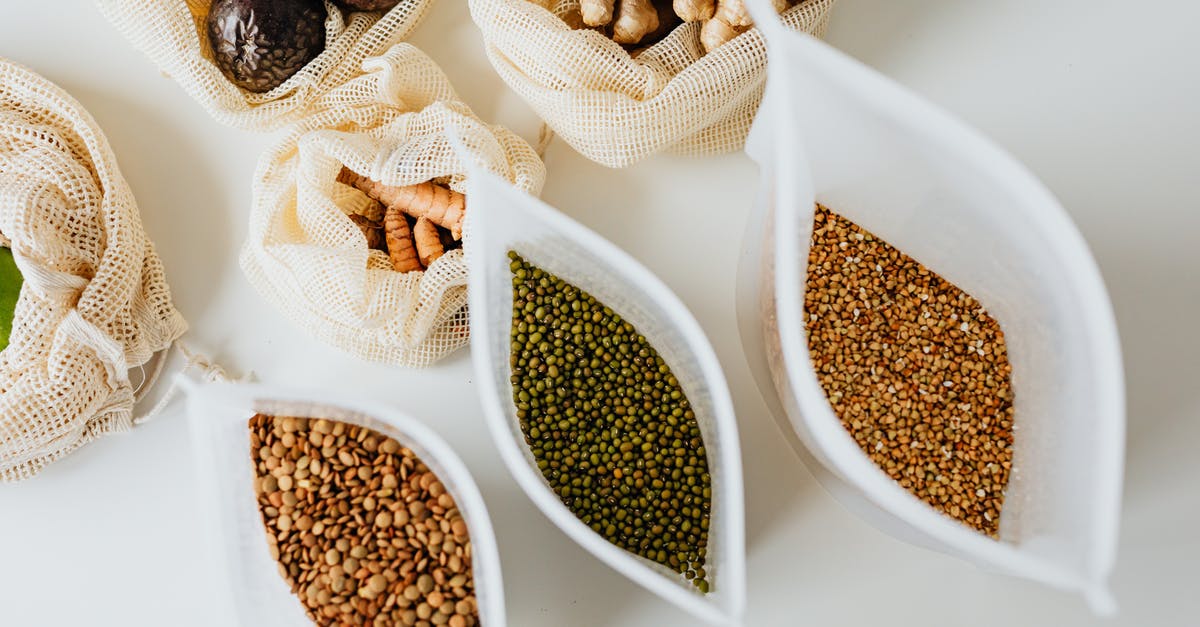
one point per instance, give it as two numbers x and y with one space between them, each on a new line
441 205
695 10
635 20
349 177
383 193
400 241
429 243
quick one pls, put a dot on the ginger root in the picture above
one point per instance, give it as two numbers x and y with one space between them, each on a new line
429 243
734 13
596 12
717 32
695 10
730 20
400 241
667 21
635 20
630 20
637 24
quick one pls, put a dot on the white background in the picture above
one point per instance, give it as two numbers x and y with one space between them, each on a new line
1100 98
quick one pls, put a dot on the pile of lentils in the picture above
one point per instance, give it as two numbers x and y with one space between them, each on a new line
608 424
915 369
364 532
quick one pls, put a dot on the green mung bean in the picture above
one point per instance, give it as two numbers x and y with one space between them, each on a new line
608 424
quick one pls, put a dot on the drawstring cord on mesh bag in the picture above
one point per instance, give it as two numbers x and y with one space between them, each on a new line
209 372
56 284
545 136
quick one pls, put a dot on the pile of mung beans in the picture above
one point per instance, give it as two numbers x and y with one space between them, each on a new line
609 425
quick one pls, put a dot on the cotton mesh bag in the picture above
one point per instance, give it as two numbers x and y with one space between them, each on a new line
616 108
173 34
393 124
94 303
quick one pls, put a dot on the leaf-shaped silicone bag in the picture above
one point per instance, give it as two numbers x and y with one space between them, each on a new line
833 131
218 415
501 218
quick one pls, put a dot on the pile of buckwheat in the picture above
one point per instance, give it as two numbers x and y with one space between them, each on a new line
364 532
915 369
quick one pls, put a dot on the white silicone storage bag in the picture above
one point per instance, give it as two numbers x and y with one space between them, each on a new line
504 218
218 414
835 132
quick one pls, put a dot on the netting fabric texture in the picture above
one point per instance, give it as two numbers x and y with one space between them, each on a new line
173 34
394 124
617 108
94 304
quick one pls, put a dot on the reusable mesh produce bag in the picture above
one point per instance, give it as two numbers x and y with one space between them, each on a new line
616 109
94 303
308 258
173 34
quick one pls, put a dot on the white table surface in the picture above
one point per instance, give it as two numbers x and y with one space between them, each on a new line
1099 97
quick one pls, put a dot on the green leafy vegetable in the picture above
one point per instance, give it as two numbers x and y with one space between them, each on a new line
10 290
